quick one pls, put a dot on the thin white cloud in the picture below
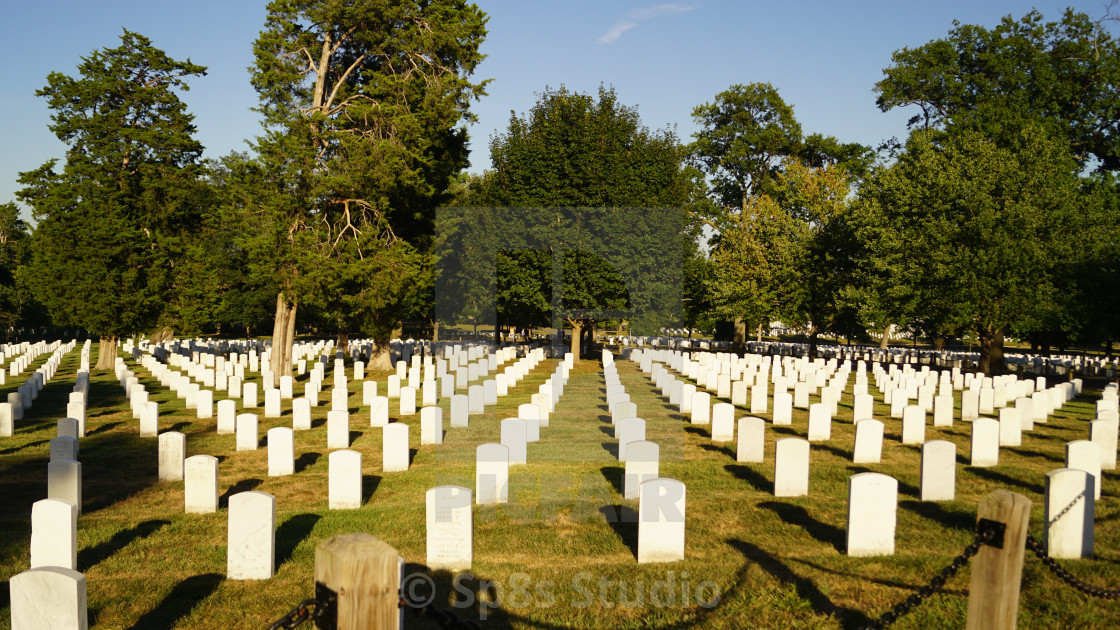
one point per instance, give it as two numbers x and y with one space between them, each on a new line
616 31
632 18
671 8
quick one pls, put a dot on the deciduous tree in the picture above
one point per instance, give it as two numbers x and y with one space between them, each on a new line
1062 75
975 231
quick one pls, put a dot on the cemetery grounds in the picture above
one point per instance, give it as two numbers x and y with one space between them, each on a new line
562 554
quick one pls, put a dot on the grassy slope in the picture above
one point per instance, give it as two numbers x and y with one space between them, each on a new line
562 554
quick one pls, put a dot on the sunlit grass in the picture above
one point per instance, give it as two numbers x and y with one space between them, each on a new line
562 553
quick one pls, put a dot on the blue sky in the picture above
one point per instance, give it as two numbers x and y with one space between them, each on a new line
824 58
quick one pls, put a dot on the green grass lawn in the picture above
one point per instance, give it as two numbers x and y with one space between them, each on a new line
562 554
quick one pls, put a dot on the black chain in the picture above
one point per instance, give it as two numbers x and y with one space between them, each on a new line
1095 591
1066 509
307 610
905 606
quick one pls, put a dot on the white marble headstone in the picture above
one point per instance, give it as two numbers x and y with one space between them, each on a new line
394 447
450 532
345 480
251 536
661 520
872 508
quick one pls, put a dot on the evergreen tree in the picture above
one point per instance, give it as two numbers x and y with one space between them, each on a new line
113 222
362 105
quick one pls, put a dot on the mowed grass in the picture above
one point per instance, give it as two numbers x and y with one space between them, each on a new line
562 554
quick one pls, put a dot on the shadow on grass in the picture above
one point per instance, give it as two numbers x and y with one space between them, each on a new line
1026 453
839 452
934 512
179 602
611 448
609 430
291 533
1043 436
306 460
806 589
614 475
354 435
999 477
91 556
108 426
784 430
799 516
369 486
725 450
696 431
473 600
751 476
318 422
624 521
178 426
244 485
8 451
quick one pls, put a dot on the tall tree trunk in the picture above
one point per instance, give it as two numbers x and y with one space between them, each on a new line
991 352
380 357
577 337
758 333
343 343
435 331
106 353
289 341
813 341
739 337
163 334
283 328
885 341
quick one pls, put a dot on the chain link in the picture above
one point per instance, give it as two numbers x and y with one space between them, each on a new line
1077 499
906 605
1095 591
307 610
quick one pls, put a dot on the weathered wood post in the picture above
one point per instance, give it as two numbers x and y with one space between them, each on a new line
363 572
993 599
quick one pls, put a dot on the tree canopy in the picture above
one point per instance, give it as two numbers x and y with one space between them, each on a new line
579 155
1063 75
362 107
112 223
973 230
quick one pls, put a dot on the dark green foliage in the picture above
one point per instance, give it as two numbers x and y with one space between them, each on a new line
363 107
1063 75
573 150
112 224
745 134
592 160
972 231
17 303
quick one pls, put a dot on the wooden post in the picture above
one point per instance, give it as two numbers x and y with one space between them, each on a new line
993 599
364 572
